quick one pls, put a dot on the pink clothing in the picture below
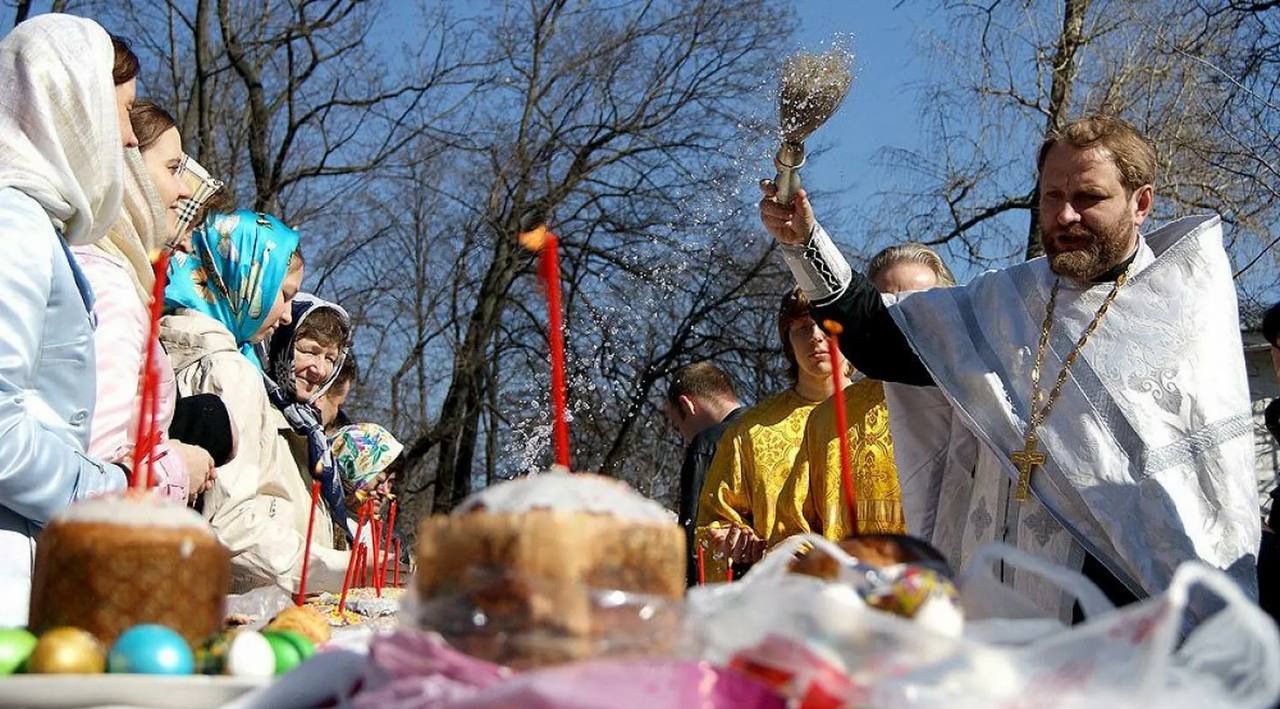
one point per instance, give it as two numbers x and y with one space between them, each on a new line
118 338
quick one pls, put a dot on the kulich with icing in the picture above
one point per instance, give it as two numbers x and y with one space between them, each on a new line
551 568
108 564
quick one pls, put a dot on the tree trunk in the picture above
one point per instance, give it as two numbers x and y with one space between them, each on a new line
458 426
259 116
1065 66
204 126
24 9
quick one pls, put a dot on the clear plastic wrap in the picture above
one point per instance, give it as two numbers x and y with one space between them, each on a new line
525 621
797 630
534 587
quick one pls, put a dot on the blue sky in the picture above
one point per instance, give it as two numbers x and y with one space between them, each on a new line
882 108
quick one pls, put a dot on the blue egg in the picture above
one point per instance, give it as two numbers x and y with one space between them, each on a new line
151 650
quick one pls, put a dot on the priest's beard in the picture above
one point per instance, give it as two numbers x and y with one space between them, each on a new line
1087 253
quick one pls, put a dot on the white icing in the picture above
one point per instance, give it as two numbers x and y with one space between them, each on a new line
150 511
567 492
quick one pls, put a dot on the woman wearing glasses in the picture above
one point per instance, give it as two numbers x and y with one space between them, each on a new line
119 270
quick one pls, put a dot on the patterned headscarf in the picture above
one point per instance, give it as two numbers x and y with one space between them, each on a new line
362 451
237 265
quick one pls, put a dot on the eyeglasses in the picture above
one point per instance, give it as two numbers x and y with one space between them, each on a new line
202 187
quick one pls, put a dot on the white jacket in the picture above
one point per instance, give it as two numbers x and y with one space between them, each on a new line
260 502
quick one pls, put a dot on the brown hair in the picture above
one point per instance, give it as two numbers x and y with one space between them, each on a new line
794 306
326 327
347 374
125 66
700 379
911 252
296 260
1131 153
149 123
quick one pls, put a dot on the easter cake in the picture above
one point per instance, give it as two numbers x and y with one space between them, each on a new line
551 568
108 564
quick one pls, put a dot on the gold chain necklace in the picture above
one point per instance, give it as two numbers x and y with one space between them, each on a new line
1028 458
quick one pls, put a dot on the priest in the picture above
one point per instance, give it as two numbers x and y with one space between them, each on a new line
1095 405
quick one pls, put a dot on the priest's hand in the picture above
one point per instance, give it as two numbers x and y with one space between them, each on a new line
788 223
737 543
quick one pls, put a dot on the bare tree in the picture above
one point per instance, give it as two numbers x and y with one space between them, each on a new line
290 102
598 115
1177 70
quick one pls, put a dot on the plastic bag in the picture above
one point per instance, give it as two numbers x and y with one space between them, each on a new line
817 642
995 612
1119 657
259 606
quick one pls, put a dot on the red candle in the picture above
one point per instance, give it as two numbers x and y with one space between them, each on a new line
141 479
702 566
364 566
728 572
842 422
546 243
153 426
350 578
396 581
376 530
306 549
386 546
144 438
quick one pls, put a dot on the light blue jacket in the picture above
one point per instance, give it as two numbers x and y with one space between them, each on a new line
47 391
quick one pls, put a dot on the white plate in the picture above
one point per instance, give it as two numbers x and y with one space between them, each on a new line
66 691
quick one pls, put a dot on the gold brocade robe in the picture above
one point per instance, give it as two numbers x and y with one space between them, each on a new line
813 500
752 463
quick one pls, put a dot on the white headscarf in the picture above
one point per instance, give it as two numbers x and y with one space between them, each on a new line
59 127
139 229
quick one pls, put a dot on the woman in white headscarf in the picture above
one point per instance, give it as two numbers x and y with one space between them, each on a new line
65 92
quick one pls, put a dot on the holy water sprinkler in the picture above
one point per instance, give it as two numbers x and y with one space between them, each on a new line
813 86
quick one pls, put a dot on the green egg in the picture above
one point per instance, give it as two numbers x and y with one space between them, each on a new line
287 656
300 642
16 645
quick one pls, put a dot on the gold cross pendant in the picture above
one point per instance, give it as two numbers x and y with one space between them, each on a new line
1025 461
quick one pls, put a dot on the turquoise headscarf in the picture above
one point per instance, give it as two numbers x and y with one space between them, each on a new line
237 264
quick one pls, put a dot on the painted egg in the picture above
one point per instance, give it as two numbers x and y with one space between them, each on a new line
300 642
287 656
250 655
151 650
67 651
211 657
16 645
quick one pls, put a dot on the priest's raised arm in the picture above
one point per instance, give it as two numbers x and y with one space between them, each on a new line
871 340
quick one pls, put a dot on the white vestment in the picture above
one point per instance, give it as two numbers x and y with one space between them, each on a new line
1150 448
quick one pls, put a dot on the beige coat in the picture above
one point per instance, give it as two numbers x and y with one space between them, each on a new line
260 502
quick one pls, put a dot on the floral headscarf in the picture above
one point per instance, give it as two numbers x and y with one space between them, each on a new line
362 451
237 265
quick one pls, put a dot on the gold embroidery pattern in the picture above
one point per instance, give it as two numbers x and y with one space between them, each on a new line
752 464
817 472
